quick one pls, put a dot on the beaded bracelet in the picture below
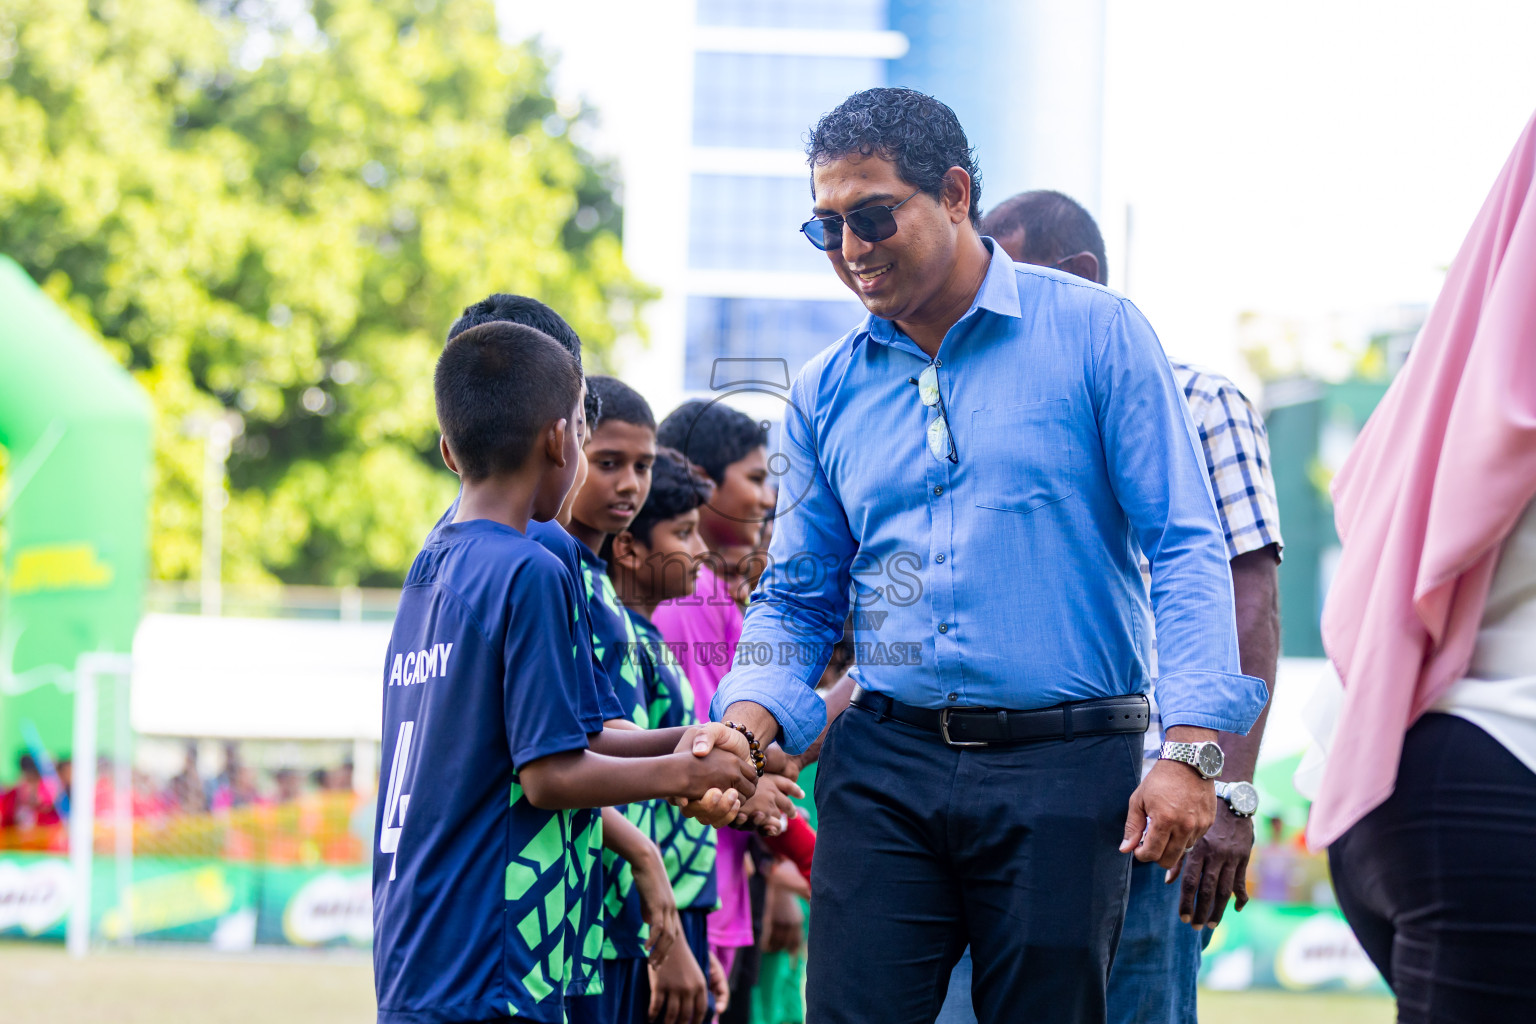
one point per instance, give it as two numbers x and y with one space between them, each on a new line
759 762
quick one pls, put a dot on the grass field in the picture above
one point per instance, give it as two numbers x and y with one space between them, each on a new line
41 985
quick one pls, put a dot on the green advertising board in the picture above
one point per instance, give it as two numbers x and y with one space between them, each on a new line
232 906
1296 948
178 900
223 904
75 428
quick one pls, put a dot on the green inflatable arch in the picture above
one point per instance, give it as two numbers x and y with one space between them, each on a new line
75 497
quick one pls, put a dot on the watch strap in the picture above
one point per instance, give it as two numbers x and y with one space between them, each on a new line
1186 753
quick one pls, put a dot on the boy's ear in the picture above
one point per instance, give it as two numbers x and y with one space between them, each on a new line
448 460
554 441
626 551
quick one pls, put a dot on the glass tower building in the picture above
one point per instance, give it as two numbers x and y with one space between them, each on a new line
739 281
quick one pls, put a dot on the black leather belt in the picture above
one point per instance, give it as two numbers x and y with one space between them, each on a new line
985 727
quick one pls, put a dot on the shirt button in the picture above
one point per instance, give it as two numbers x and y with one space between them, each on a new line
939 557
954 696
939 489
943 627
938 362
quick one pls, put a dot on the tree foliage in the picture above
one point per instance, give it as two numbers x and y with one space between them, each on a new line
274 217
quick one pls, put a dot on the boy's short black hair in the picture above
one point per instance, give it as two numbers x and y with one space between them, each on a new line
711 434
1055 226
497 387
520 309
676 488
914 131
620 402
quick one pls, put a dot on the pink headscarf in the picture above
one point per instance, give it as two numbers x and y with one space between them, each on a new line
1436 482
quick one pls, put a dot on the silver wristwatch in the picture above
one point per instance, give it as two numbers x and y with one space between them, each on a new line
1241 797
1205 757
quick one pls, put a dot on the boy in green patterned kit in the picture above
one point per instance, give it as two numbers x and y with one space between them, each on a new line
654 560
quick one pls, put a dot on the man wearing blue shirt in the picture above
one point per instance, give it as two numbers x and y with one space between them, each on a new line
1012 437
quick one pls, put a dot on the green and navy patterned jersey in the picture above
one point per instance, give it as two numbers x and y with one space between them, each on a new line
613 643
597 705
687 846
472 884
586 889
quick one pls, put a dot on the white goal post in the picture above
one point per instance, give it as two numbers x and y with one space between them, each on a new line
101 680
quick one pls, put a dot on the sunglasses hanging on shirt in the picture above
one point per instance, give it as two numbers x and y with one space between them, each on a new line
941 442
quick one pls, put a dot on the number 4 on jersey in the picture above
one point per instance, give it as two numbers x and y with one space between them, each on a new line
395 801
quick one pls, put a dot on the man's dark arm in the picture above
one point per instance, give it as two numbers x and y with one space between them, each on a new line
1218 866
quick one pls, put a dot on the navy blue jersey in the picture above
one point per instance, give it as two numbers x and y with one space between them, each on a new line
597 705
614 642
687 846
569 550
473 886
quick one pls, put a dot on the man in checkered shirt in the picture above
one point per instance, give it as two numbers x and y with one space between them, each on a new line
1152 980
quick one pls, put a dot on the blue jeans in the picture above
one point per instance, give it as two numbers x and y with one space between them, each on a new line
1153 977
923 848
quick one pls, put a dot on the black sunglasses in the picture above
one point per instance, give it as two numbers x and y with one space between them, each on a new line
871 223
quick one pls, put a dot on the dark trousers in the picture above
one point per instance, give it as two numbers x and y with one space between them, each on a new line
1439 882
922 848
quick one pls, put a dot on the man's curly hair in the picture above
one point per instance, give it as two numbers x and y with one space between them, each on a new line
916 132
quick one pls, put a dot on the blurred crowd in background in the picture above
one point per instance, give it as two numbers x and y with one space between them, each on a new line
285 813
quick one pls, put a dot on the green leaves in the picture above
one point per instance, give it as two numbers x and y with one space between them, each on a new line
281 219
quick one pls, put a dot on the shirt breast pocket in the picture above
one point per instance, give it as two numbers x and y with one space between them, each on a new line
1022 456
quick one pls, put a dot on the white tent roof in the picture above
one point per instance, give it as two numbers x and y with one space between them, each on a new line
258 678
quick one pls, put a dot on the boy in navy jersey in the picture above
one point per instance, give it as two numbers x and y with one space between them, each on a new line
625 843
484 741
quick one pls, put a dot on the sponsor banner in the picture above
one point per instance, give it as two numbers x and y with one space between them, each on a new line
1297 948
226 905
169 899
237 906
35 893
305 907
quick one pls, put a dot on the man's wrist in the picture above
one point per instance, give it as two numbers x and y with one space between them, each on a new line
1195 748
1190 734
755 717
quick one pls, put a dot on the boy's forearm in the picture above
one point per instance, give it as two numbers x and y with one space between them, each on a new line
582 778
622 837
636 742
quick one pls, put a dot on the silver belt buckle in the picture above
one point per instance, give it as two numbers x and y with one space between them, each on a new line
944 732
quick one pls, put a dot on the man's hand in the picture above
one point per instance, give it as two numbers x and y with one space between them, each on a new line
1169 811
1217 868
719 806
679 994
776 762
701 739
770 808
658 907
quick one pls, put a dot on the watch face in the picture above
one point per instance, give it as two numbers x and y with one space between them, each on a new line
1244 799
1210 760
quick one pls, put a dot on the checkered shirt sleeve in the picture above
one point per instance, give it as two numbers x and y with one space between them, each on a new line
1236 457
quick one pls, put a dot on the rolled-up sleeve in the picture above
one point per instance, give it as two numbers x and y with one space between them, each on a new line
801 602
1158 474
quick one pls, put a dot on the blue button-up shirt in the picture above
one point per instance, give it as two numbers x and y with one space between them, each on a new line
1008 579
